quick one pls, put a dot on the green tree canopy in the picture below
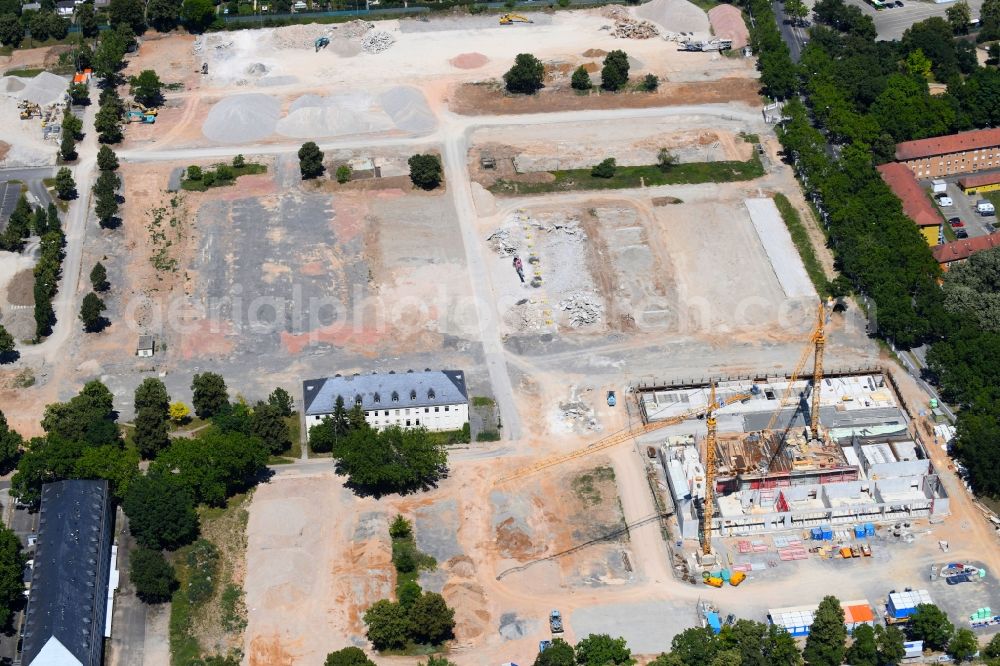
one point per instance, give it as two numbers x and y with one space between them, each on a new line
603 650
65 185
581 79
863 650
152 412
425 171
694 646
281 400
267 423
963 645
164 15
930 625
389 460
431 620
825 643
11 584
161 514
92 313
197 15
614 74
214 465
560 653
152 576
7 345
349 656
388 625
10 446
11 30
130 13
147 88
959 17
210 394
106 159
310 160
525 76
87 19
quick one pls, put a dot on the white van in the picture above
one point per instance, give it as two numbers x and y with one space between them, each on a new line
985 208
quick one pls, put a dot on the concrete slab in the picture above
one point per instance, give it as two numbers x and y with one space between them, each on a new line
780 250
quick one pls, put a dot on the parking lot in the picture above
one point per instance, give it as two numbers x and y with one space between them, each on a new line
891 23
964 207
24 524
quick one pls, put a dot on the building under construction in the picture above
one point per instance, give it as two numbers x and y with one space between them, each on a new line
771 473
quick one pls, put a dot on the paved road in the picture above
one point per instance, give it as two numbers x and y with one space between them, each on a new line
795 36
32 177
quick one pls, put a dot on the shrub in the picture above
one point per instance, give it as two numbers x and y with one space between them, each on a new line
581 79
425 171
239 161
194 172
400 528
343 173
525 76
606 169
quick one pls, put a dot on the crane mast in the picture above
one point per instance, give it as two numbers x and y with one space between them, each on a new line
708 507
820 342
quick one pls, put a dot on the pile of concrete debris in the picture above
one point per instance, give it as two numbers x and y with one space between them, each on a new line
577 413
502 243
376 41
627 27
583 307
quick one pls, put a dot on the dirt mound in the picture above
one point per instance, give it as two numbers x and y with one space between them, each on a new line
727 22
469 60
469 602
594 53
513 542
21 288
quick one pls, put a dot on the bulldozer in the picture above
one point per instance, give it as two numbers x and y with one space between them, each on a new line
510 19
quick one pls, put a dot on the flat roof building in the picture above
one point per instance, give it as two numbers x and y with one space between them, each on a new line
68 603
797 620
965 152
432 399
980 182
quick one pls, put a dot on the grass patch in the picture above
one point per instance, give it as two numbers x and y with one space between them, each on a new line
994 198
749 138
279 460
50 185
488 436
250 168
407 559
585 485
800 237
208 605
637 176
450 437
192 423
949 233
482 401
24 73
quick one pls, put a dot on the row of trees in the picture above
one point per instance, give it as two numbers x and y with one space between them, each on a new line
47 271
527 75
426 171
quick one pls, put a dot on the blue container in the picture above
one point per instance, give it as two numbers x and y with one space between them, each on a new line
726 575
827 534
817 534
869 529
859 531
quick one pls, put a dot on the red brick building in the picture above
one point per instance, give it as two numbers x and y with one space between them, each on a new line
916 204
965 152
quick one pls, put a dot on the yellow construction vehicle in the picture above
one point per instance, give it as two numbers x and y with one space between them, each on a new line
510 19
135 106
621 436
29 110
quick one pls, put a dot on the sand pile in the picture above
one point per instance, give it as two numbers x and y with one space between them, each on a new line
44 89
408 109
675 16
242 118
727 23
469 60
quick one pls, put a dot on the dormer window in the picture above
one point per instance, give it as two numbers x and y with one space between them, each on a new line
377 397
357 399
413 394
395 396
430 394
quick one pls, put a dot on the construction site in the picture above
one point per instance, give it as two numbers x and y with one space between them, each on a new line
685 428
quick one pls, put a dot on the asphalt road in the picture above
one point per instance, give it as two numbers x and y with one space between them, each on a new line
32 177
795 36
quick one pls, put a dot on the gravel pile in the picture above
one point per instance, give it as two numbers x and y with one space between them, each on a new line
408 109
377 41
675 16
242 118
299 36
44 89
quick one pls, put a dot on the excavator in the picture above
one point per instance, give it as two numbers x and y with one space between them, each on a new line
135 106
321 43
510 19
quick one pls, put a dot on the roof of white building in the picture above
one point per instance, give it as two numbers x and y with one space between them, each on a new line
390 391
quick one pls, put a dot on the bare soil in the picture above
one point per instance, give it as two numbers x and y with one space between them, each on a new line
474 99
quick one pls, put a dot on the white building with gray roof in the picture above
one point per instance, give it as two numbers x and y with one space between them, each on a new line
432 399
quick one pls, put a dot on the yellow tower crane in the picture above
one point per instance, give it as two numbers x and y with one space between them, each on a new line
709 504
819 339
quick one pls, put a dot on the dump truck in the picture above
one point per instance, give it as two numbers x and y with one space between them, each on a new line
555 622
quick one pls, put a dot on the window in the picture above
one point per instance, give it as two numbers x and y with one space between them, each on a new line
418 421
430 394
357 399
437 409
386 413
377 397
395 397
426 409
446 408
413 394
407 422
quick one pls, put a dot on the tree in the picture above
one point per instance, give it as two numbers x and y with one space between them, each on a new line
343 173
215 465
989 19
194 172
210 394
91 313
825 643
602 650
694 646
108 56
179 412
325 435
78 92
163 15
606 168
46 24
11 572
269 425
87 19
431 620
400 528
437 661
52 221
797 10
99 277
67 147
128 12
161 512
11 30
147 88
106 208
780 648
959 17
281 400
65 185
389 460
310 160
197 15
526 76
71 124
581 79
388 625
152 576
560 653
10 446
239 161
614 74
425 171
6 353
964 645
930 625
106 159
152 410
349 656
665 160
120 468
650 82
108 124
408 593
863 650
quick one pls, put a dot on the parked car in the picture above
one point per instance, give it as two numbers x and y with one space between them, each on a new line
943 200
956 223
961 233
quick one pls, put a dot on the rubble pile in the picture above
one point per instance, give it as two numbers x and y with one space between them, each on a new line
583 308
578 414
300 37
355 29
627 27
501 243
376 41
